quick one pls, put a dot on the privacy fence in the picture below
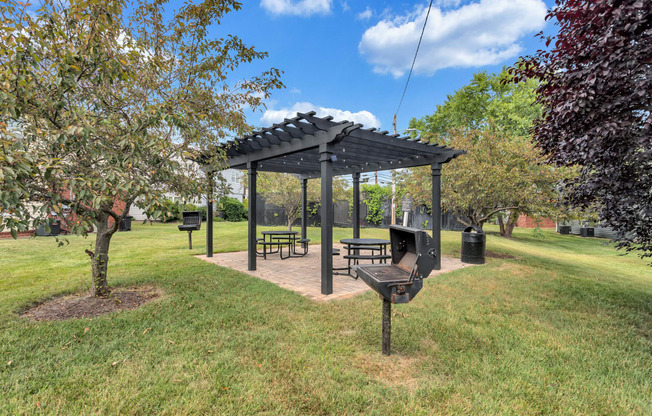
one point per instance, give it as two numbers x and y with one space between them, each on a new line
271 215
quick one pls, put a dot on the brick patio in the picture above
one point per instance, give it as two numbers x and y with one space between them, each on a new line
303 274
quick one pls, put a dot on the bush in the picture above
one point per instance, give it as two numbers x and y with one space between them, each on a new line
234 210
171 211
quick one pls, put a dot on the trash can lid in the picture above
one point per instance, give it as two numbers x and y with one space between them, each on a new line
473 227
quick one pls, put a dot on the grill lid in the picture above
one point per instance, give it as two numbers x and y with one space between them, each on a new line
412 250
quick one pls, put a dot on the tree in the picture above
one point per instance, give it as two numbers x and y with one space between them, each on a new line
100 106
498 174
487 101
374 196
596 94
501 175
284 191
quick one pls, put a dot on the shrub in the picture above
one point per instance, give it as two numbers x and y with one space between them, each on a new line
234 210
171 211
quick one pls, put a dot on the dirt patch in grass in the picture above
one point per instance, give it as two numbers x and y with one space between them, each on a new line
397 370
86 306
493 255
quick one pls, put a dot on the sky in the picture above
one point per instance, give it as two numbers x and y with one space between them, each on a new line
350 58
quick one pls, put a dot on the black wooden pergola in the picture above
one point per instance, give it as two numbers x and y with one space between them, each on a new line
315 147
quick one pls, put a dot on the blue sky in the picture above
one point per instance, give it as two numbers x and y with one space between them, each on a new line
350 58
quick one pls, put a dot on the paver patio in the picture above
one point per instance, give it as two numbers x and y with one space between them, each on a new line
303 274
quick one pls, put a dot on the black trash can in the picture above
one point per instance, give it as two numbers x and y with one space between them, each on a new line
55 228
564 229
473 245
586 232
125 224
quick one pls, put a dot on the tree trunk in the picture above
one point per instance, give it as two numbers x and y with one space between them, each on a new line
510 224
100 257
290 221
501 223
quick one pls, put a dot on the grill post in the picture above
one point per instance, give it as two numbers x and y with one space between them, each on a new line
387 326
190 239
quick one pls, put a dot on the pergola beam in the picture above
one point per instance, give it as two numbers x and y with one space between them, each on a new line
308 141
388 165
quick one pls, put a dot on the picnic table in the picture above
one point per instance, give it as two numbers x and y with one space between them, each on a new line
363 249
277 240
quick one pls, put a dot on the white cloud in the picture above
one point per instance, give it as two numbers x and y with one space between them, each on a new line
473 35
277 116
366 15
448 3
295 91
297 8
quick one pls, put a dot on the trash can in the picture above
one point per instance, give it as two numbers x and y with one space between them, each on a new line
564 229
586 232
55 229
125 224
473 245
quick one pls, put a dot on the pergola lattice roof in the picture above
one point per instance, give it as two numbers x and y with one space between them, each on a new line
294 146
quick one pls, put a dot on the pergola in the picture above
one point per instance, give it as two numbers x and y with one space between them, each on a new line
315 147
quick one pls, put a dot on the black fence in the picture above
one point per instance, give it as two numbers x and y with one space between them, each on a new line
270 215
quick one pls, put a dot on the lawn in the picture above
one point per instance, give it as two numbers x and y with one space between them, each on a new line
564 327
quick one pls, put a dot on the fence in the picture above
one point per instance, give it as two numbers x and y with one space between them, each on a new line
270 215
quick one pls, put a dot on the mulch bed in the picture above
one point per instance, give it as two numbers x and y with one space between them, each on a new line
86 306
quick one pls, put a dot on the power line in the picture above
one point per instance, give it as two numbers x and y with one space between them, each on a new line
414 60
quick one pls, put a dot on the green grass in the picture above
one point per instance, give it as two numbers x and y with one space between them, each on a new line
564 328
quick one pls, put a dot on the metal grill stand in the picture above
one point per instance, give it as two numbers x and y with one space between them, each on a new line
191 222
414 255
387 326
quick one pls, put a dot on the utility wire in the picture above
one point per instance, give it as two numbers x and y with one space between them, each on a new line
414 60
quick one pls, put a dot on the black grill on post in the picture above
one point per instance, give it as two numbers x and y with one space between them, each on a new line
191 222
414 256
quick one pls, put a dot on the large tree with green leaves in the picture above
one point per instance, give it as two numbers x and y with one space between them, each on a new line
502 174
499 174
486 102
105 101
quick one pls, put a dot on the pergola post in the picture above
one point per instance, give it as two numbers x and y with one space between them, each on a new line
251 168
209 215
326 163
304 209
436 210
356 205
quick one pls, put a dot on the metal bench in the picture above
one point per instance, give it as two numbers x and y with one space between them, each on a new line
276 243
191 222
304 246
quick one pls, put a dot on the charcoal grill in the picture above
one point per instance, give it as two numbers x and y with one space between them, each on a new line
191 222
413 257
